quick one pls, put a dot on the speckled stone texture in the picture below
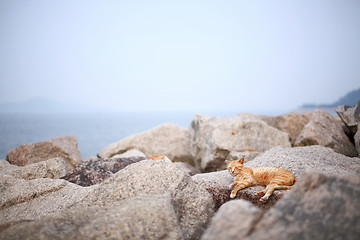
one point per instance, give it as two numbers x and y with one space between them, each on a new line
65 147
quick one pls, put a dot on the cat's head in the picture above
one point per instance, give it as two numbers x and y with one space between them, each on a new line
235 167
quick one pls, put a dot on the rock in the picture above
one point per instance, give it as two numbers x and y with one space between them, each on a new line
187 168
323 129
146 200
225 223
300 159
145 218
133 153
64 147
297 160
213 138
192 204
95 171
217 184
247 155
318 207
350 116
52 168
292 123
357 142
167 139
29 200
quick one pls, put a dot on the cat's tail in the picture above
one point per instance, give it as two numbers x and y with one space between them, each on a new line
295 180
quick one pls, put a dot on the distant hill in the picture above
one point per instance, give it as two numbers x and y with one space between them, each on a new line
41 105
349 99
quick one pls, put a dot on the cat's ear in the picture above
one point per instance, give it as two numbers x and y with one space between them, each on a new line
241 161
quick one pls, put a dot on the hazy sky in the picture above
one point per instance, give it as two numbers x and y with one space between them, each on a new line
180 55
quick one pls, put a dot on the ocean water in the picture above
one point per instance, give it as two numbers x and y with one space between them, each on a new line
93 131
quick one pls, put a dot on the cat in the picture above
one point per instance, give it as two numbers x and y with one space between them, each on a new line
271 177
158 157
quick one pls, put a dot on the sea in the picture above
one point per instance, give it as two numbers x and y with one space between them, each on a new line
93 131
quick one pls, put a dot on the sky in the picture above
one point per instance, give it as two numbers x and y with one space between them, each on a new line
180 55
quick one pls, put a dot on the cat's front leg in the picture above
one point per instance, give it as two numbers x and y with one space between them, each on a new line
232 185
237 187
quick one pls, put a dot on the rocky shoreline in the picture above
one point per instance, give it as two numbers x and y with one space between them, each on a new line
49 192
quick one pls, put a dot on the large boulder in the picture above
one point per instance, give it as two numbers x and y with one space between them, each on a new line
52 168
192 204
233 221
145 218
214 138
351 118
292 123
297 160
146 200
319 207
323 129
357 142
31 200
167 139
65 147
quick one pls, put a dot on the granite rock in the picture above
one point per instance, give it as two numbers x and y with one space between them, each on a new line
65 147
213 138
52 168
318 207
323 129
145 218
145 200
297 160
292 123
233 221
95 171
167 139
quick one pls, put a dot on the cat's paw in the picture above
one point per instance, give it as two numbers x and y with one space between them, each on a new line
264 199
232 195
260 194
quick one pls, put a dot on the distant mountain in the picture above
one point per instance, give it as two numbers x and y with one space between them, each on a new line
41 105
349 99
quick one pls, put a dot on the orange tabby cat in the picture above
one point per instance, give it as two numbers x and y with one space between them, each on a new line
271 177
157 157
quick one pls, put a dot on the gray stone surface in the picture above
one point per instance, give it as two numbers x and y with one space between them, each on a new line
65 147
292 123
297 160
145 218
350 116
149 199
22 200
167 139
52 168
130 153
323 129
95 171
232 221
213 138
318 207
192 204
